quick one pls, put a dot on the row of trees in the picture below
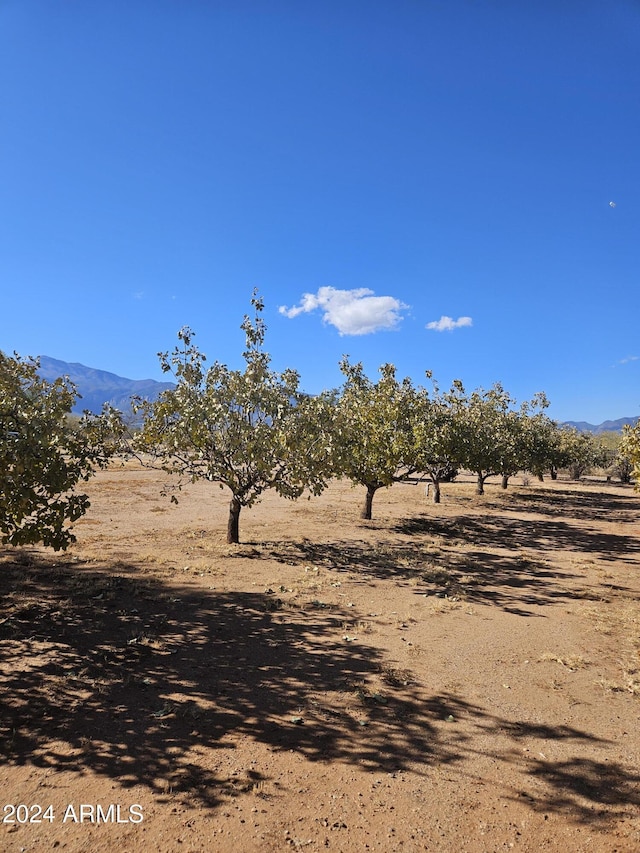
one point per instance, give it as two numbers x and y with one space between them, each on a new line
252 430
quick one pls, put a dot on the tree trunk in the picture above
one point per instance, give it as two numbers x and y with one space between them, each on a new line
554 473
541 477
233 527
436 491
368 501
505 481
480 484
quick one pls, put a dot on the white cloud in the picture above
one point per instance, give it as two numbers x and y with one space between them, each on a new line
448 324
628 359
352 312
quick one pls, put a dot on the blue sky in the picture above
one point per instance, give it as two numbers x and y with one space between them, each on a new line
372 166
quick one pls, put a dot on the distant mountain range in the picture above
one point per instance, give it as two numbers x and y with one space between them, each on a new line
97 387
605 426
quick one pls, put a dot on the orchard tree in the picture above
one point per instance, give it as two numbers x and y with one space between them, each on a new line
630 449
44 455
541 445
613 457
435 438
622 466
524 437
249 430
490 433
477 429
510 438
374 437
556 448
579 451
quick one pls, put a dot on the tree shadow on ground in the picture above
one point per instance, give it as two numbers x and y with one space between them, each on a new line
135 680
508 580
384 561
543 535
592 506
499 564
512 583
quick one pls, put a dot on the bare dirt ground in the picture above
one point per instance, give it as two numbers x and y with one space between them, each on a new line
462 677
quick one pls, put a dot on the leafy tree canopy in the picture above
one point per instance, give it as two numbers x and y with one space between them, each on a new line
374 437
43 455
579 451
630 448
490 433
435 437
249 430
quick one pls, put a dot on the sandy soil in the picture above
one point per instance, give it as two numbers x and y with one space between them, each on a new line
462 677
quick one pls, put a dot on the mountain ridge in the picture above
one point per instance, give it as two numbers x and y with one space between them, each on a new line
605 426
97 387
